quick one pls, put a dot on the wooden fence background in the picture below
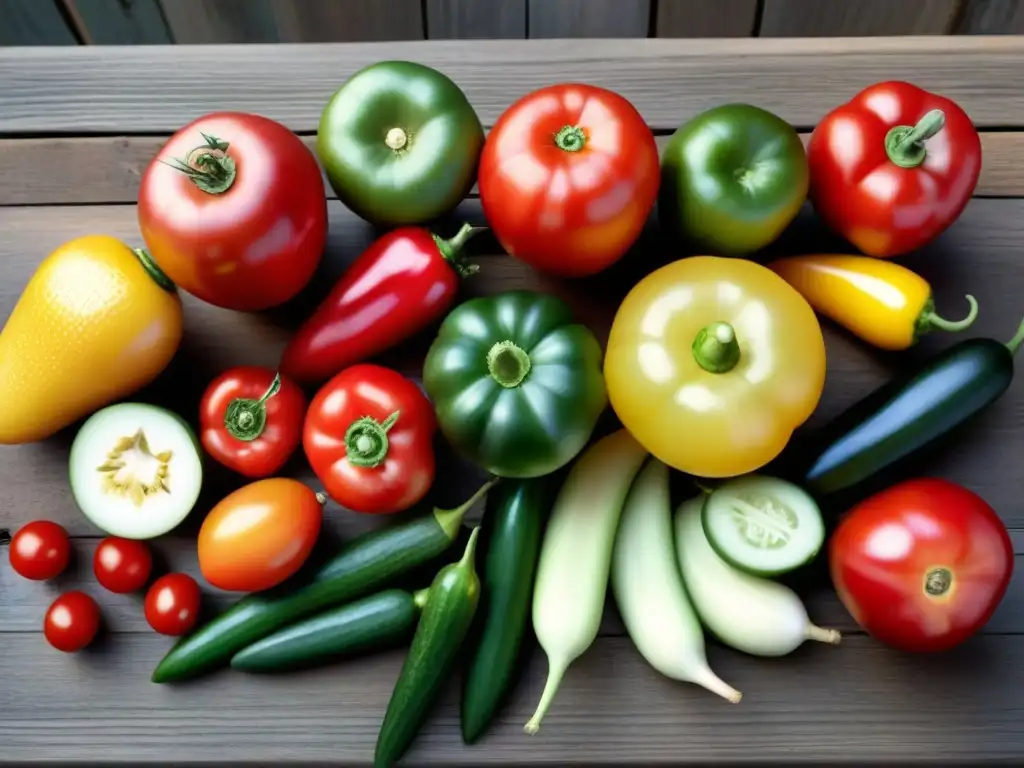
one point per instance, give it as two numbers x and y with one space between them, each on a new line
111 22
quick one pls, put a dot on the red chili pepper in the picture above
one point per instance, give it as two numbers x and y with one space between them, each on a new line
403 282
369 437
251 420
893 168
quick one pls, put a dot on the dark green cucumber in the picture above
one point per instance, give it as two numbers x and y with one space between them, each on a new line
375 622
510 545
446 619
364 565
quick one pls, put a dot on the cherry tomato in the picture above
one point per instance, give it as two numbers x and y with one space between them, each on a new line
172 604
251 420
233 210
72 621
261 534
568 177
40 550
122 565
922 565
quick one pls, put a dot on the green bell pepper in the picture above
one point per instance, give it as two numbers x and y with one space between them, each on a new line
400 143
516 384
732 179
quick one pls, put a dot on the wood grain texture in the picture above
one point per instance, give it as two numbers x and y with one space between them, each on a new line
991 17
115 22
705 18
220 21
321 21
473 20
588 18
33 22
808 18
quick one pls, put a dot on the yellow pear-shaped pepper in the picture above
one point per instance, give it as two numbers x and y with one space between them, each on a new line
96 322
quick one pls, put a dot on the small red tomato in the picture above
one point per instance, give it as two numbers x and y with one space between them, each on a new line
568 177
122 565
921 566
369 438
251 420
72 621
40 550
172 604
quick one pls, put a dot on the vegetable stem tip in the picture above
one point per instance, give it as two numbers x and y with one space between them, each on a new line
555 674
1014 344
820 635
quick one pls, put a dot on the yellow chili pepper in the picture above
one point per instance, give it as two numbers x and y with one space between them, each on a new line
881 302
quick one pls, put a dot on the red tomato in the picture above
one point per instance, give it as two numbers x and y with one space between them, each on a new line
40 550
568 177
369 437
251 420
260 535
233 210
922 565
172 604
890 196
122 565
71 621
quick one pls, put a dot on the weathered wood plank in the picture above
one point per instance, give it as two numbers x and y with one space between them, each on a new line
473 20
85 89
220 21
800 18
705 18
589 18
321 21
115 22
108 169
991 17
819 704
33 22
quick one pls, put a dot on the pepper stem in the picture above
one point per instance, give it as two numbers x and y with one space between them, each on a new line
208 166
715 349
366 440
466 561
450 249
245 419
396 139
451 519
571 138
905 144
508 364
929 320
154 271
938 581
1015 343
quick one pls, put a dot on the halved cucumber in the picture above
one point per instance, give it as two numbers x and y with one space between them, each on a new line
763 525
135 470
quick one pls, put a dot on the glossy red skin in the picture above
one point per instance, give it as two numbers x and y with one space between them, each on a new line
40 550
71 621
398 286
883 209
407 472
122 565
281 435
569 213
172 604
882 550
252 247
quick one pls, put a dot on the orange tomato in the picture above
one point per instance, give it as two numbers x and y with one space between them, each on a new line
260 535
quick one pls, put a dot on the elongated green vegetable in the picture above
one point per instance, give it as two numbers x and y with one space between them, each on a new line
575 556
509 544
367 563
447 617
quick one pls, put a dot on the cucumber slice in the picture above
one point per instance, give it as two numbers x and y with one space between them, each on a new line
135 470
763 525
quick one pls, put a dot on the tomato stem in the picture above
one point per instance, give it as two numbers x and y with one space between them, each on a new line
366 440
508 364
905 144
938 581
451 249
208 166
928 319
715 349
1015 343
245 418
154 271
571 138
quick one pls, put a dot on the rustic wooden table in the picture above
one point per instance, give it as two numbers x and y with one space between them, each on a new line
78 126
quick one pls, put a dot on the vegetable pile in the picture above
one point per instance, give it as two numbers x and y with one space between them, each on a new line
711 364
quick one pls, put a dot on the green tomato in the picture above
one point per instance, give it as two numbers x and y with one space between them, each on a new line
400 143
516 384
732 179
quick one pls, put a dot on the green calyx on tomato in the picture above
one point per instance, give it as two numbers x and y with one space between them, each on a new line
245 418
208 166
732 179
516 384
366 440
400 143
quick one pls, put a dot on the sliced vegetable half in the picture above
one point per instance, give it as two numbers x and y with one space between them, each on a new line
135 470
763 525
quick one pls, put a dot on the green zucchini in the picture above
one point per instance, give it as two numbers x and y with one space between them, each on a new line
510 545
367 563
375 622
446 619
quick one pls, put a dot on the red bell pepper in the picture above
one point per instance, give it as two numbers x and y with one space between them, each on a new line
369 437
893 168
406 280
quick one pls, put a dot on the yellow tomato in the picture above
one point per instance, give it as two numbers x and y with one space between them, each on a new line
712 363
95 323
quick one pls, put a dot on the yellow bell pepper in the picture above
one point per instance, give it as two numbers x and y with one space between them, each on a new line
712 363
879 301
